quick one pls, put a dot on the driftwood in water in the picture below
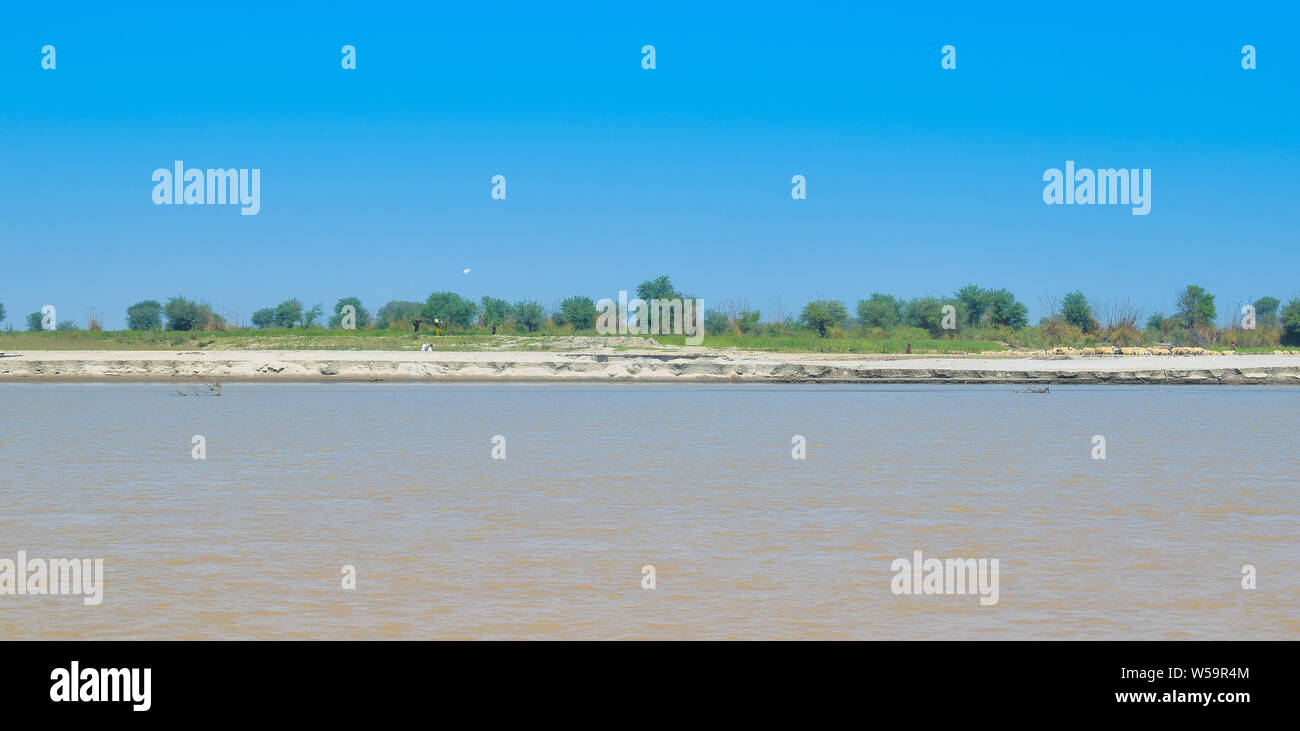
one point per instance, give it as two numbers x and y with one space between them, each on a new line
201 389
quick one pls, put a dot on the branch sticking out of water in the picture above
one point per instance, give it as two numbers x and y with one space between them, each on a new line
201 389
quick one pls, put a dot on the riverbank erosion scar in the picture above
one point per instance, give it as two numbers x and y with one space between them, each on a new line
687 365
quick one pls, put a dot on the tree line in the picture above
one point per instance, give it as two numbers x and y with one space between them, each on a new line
970 312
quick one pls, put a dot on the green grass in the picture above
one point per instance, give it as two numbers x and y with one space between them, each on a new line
1260 350
809 343
320 339
229 340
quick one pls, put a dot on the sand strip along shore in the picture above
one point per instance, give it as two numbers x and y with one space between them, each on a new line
685 365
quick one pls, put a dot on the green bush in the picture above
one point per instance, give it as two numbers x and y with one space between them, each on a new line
822 315
452 310
397 314
1291 322
881 311
748 322
363 315
1077 312
495 311
288 313
716 322
529 316
578 311
926 313
264 318
1196 307
182 314
1266 312
144 315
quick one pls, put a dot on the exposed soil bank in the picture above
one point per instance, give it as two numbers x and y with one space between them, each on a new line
684 365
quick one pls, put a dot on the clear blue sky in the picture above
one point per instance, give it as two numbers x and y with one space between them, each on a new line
375 182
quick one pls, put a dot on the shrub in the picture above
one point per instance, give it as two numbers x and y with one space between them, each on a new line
1060 332
309 317
1077 312
578 311
911 334
362 314
881 311
716 322
183 314
1196 306
144 315
529 315
821 315
927 313
495 311
397 314
450 308
264 317
288 313
1124 336
1265 312
1291 322
660 288
1005 311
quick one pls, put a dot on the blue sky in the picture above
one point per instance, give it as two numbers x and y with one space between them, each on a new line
375 181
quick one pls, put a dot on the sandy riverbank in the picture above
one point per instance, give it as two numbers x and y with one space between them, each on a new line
673 365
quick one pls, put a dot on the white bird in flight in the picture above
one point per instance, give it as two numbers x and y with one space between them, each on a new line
466 271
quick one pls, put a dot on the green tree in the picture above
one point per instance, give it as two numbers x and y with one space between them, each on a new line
309 317
1266 312
183 314
288 313
747 321
578 311
976 302
716 322
144 315
1196 306
2 312
529 315
494 311
34 322
264 318
1005 311
449 308
362 314
822 315
1076 311
1156 321
1291 322
927 313
659 288
397 313
882 310
66 325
